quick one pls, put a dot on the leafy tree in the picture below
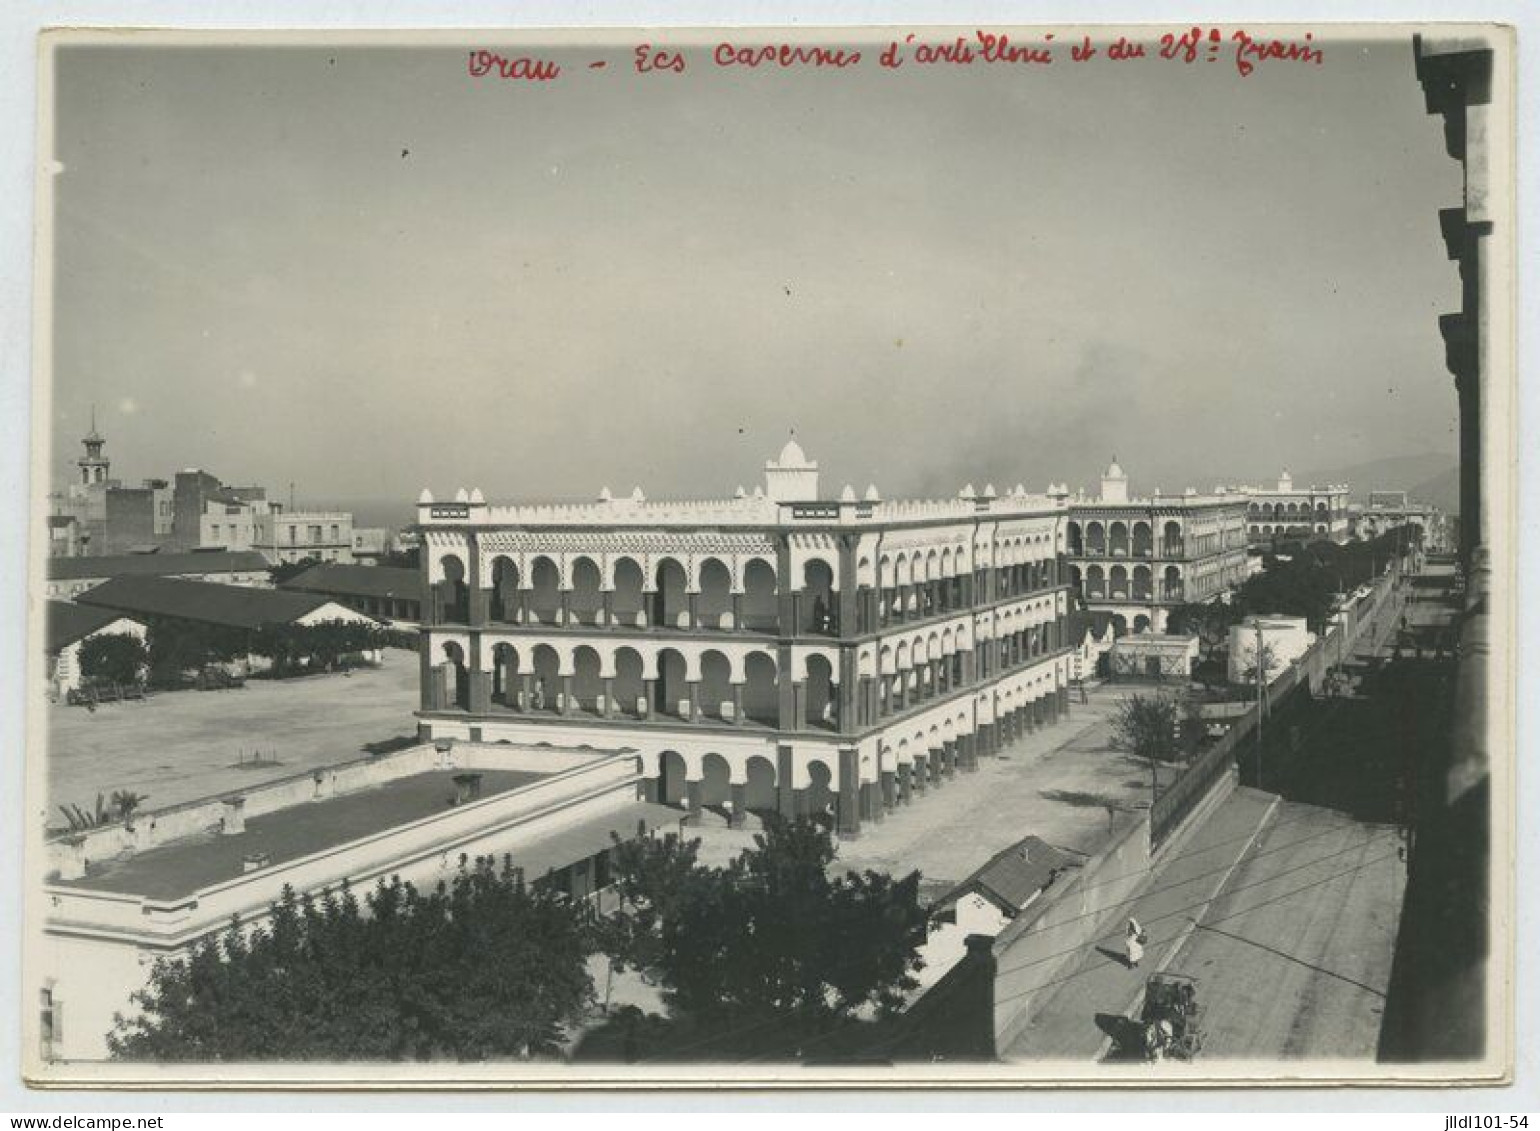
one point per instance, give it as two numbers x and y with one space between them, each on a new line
483 966
321 645
772 933
177 646
115 656
1148 726
286 571
1210 623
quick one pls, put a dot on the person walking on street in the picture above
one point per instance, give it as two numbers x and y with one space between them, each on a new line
1133 943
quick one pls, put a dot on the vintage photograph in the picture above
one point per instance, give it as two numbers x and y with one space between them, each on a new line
895 555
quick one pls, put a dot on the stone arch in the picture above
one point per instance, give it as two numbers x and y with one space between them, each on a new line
586 599
545 590
628 602
715 781
759 789
1073 542
1171 539
819 690
1142 539
672 772
761 695
1117 581
457 684
546 685
671 602
630 685
714 692
1095 538
505 674
587 682
1095 582
503 602
1171 583
453 594
1141 623
672 687
760 606
1144 583
714 605
818 597
818 796
1117 539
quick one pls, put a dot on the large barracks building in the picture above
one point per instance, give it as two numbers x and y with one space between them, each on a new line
773 651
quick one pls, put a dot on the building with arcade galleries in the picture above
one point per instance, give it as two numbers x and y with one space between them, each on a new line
1131 560
775 650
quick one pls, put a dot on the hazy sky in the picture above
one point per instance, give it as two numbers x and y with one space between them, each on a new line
365 271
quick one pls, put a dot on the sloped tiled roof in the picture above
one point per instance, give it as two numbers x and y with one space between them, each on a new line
1014 876
67 622
156 565
238 606
358 581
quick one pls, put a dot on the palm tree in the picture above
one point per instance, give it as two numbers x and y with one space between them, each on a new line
125 801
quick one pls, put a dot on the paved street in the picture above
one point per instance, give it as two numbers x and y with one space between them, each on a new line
182 745
1294 958
1055 783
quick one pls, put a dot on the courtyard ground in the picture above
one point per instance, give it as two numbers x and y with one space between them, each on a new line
183 745
1055 783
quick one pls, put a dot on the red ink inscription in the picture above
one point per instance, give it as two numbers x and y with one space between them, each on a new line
784 55
482 63
648 60
1247 49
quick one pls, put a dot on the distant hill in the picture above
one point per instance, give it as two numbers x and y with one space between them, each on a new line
1430 477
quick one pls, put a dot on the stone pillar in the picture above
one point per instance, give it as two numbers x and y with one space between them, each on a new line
871 801
949 758
649 696
848 806
740 798
564 617
786 689
918 777
526 689
475 595
967 754
693 601
564 695
785 792
692 797
607 609
609 697
737 612
426 675
888 787
694 686
905 778
481 692
738 704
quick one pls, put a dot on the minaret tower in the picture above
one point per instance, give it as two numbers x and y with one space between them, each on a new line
94 466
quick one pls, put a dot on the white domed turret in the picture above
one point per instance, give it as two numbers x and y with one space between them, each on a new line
740 493
966 492
792 455
1285 481
792 477
1114 483
425 498
989 491
871 493
462 496
848 495
477 497
637 496
605 496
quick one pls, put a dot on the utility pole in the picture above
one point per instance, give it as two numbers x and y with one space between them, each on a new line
1261 700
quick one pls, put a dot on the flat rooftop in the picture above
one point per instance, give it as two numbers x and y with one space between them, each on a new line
182 868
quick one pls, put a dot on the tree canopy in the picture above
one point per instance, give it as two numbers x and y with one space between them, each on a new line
483 966
770 933
116 656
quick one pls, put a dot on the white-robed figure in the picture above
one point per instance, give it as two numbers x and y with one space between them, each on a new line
1133 942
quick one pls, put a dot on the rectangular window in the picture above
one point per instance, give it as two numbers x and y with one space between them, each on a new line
336 533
